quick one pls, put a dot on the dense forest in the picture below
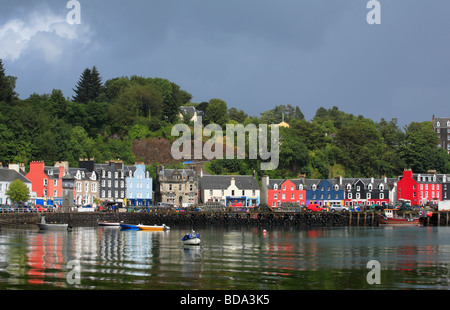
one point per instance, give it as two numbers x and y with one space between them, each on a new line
103 120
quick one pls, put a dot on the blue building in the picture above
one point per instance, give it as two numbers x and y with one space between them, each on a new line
139 187
324 192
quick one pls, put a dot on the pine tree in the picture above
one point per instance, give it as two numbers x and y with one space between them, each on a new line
7 85
95 82
88 87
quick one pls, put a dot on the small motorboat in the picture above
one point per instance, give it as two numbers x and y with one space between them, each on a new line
43 225
106 223
191 239
154 227
128 226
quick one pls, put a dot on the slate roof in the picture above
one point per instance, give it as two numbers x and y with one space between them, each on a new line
167 173
9 175
190 110
224 181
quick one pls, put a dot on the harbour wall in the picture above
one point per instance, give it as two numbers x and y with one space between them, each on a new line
304 219
300 219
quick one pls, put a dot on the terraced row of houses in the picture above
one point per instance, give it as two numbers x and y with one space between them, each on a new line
116 183
94 183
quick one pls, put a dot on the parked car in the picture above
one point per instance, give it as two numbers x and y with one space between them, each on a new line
338 208
315 207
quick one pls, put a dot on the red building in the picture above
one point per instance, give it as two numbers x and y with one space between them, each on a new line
291 191
46 182
419 189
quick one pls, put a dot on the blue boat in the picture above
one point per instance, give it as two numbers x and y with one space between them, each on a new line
128 226
191 239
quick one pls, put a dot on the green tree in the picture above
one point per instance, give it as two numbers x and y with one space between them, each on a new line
7 85
216 112
237 115
18 191
88 87
419 149
362 146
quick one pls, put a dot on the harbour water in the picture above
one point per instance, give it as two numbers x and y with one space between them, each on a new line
229 258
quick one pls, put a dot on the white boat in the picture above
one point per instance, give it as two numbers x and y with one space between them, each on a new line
45 226
191 239
105 223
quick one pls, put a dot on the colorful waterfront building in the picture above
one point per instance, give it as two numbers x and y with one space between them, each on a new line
366 191
139 187
46 182
286 191
324 192
230 190
419 188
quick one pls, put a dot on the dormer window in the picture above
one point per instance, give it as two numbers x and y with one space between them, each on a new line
275 186
336 187
314 187
300 187
349 187
381 187
370 187
50 172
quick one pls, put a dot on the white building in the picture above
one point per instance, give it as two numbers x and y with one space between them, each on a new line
230 189
6 177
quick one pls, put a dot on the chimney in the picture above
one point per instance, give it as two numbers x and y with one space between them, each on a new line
339 178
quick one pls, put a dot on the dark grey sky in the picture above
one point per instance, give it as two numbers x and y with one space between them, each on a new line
254 54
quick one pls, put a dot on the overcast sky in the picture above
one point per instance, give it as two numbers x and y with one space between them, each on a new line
254 54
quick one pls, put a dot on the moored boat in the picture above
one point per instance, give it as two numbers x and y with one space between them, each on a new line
390 219
191 239
153 227
43 225
106 223
128 226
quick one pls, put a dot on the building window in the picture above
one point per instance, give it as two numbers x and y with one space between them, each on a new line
45 182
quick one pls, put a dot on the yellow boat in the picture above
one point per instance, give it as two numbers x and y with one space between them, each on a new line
153 228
